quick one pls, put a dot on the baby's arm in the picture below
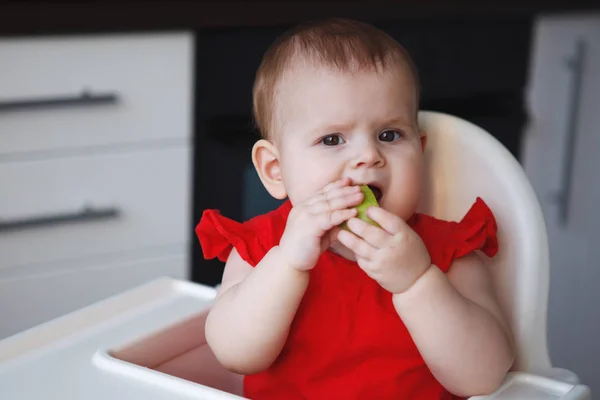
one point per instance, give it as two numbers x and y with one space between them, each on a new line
458 327
249 323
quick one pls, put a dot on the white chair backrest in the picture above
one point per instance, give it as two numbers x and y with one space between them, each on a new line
464 162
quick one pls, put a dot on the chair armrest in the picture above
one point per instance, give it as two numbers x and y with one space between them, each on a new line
521 385
561 374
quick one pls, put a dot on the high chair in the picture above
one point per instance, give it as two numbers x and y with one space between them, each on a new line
149 341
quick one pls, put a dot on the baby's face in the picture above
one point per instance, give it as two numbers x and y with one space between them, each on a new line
362 126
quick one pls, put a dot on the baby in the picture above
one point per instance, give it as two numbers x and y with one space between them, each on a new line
401 309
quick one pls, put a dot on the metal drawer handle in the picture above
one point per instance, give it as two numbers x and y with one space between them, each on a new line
86 98
87 214
575 66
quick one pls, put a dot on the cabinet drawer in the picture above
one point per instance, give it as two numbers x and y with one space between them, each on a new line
139 87
30 301
90 205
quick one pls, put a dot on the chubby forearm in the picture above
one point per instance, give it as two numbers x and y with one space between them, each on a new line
465 345
249 323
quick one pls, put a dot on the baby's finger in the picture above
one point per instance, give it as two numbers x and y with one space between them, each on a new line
335 192
336 184
373 235
389 222
358 245
330 220
340 199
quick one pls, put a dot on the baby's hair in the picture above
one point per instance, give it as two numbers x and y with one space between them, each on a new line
339 44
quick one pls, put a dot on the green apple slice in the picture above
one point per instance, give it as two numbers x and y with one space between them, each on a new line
369 200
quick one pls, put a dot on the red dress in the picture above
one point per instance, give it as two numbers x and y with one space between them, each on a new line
347 341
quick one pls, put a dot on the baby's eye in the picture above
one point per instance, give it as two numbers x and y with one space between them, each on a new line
389 136
332 140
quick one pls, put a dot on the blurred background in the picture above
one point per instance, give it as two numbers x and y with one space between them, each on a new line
121 121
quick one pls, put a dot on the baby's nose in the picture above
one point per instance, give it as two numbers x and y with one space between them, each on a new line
369 156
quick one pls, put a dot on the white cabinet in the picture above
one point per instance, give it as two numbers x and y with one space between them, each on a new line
138 87
95 169
562 158
59 289
143 192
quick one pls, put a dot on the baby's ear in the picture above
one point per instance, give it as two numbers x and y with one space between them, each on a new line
423 136
265 158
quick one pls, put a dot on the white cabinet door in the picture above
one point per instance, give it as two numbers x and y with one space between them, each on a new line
562 158
76 207
87 91
37 297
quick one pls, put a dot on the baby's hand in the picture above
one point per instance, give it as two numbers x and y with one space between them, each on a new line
393 255
312 226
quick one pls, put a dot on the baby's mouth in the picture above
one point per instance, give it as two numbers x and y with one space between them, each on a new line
377 192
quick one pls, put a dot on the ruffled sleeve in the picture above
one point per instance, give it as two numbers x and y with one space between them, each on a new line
447 241
252 239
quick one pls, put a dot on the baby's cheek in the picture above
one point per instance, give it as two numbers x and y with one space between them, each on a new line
310 180
302 188
407 193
